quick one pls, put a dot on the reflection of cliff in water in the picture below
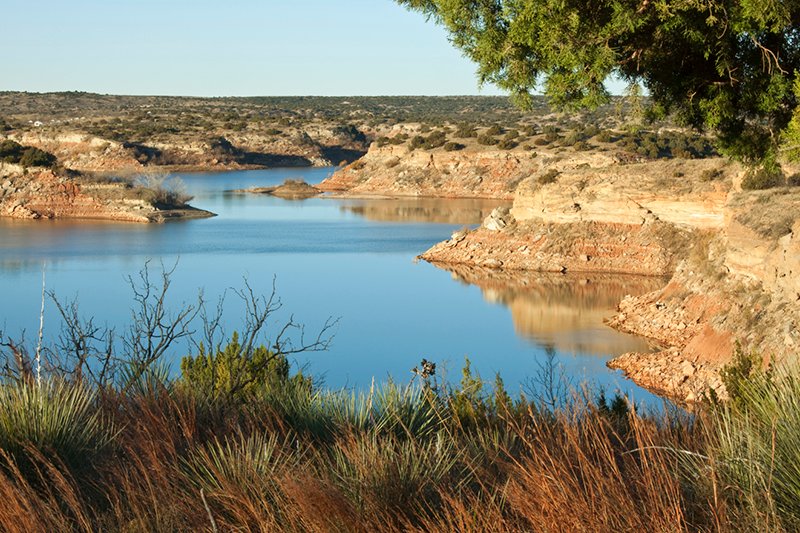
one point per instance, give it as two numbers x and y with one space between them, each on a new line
438 210
565 311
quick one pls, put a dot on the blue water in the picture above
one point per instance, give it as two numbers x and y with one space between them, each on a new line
347 259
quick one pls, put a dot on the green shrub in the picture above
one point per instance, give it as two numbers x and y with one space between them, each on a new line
453 147
711 174
418 141
236 371
754 443
56 417
27 156
10 151
582 146
548 177
604 136
762 178
494 130
465 131
487 140
507 144
33 157
435 140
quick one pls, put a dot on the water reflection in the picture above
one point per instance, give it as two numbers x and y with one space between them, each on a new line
431 210
565 312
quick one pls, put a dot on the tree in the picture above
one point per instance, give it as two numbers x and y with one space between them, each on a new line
724 65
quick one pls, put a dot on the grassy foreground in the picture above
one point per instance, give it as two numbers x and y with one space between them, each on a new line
286 456
106 439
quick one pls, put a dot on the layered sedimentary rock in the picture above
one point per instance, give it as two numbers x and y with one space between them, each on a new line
42 193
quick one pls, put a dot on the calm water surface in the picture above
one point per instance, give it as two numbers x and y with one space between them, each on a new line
352 259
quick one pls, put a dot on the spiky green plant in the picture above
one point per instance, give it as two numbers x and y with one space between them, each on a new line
54 417
755 443
382 472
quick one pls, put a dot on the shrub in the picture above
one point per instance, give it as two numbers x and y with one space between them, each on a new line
453 146
435 140
548 177
236 371
164 190
711 174
56 417
27 156
10 151
507 144
418 141
33 157
465 131
487 140
358 164
494 130
762 178
604 136
582 146
793 180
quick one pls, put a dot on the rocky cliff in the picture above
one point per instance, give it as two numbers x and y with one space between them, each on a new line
42 193
473 173
733 258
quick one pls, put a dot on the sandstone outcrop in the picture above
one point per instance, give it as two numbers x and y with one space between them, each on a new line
41 193
734 258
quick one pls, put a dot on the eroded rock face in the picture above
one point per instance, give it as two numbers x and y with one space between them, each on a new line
630 194
40 193
734 258
650 249
394 170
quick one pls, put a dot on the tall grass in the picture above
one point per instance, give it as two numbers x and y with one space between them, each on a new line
400 458
266 450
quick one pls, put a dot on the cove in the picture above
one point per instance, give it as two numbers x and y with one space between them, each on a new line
351 259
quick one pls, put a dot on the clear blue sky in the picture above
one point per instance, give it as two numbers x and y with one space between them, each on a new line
228 48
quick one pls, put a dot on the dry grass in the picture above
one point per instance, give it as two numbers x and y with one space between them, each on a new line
179 462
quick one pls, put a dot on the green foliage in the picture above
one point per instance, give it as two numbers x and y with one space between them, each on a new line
465 131
727 65
10 151
754 440
758 179
236 372
494 130
551 176
740 372
56 417
507 144
27 156
487 140
453 146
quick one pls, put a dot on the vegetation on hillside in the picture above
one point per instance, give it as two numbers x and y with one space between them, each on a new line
726 65
27 156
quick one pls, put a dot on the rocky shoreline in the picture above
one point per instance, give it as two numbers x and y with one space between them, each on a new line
44 194
731 256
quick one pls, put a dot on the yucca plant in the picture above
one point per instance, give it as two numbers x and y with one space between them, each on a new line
755 444
54 417
383 473
242 474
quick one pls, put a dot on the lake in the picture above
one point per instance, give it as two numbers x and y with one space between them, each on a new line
352 259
